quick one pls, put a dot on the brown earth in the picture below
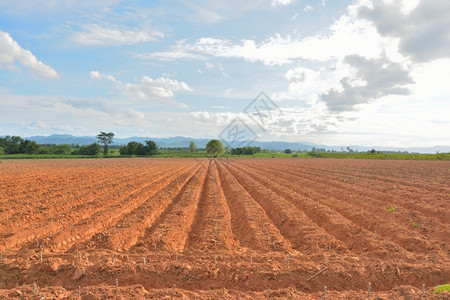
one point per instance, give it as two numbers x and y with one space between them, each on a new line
223 229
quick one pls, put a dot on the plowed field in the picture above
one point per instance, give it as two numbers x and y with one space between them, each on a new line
224 229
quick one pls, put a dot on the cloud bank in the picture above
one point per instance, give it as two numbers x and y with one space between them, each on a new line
12 56
112 35
162 89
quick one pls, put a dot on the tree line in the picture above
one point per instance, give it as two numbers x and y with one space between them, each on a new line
17 145
214 148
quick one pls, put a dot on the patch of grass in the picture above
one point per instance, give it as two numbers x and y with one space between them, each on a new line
367 155
390 209
442 288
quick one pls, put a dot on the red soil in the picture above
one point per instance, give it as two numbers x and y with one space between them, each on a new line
224 229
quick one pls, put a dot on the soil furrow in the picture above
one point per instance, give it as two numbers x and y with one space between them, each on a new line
409 199
105 218
249 221
365 215
169 231
72 216
304 234
211 229
131 228
325 218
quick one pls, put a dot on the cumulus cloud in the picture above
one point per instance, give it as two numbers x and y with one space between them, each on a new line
307 8
12 55
347 36
374 78
100 76
362 57
282 2
293 121
423 30
112 35
162 89
305 82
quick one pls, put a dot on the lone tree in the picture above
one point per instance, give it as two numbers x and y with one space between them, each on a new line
214 147
192 147
30 147
105 139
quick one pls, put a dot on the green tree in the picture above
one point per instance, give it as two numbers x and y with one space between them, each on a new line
60 149
30 147
214 147
288 151
105 139
140 150
11 144
132 148
92 149
2 151
192 147
150 148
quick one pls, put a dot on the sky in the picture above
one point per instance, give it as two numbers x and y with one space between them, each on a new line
362 72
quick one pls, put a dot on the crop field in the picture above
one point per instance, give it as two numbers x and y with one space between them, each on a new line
251 228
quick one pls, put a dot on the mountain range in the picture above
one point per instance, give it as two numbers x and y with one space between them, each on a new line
180 141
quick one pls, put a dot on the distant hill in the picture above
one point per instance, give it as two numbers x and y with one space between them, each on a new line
180 141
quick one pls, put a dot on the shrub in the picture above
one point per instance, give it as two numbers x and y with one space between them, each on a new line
92 149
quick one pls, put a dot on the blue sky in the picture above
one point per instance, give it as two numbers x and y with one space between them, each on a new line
360 72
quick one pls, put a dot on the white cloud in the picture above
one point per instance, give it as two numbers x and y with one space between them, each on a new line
100 76
392 121
374 79
421 27
282 2
214 11
50 114
112 35
307 8
24 7
12 53
37 125
162 89
169 74
361 60
170 55
134 114
347 36
399 122
307 83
